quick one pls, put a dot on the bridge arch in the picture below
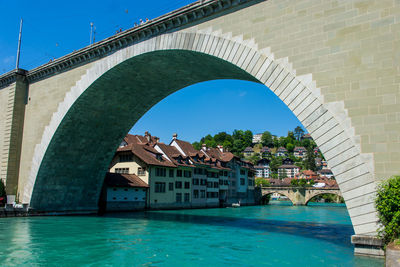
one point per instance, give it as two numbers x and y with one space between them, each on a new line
280 192
315 193
95 109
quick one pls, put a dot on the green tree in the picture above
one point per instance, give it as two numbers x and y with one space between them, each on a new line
221 137
254 158
309 162
298 132
388 206
275 163
227 145
276 142
248 138
262 182
266 139
196 145
290 147
274 175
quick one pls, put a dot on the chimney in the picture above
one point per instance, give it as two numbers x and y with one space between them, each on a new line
204 147
221 148
148 136
157 140
174 136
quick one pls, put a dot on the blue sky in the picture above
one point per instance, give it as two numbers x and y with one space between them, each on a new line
55 28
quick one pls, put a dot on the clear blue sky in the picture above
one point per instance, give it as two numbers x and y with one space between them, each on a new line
55 28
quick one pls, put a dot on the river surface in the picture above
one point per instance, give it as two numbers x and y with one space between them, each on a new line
273 235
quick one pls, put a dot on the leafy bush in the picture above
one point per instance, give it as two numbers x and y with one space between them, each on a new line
262 182
302 182
388 207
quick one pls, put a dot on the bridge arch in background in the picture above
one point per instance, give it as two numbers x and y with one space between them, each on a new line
317 193
76 147
280 192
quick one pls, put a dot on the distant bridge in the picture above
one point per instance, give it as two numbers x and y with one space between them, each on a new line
299 195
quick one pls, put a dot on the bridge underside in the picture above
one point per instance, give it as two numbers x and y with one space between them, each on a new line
73 168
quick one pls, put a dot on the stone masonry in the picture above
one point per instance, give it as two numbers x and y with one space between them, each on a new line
335 64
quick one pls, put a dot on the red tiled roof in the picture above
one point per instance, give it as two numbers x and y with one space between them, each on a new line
139 139
124 180
147 154
288 166
173 154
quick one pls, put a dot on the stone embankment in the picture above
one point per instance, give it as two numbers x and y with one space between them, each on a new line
393 255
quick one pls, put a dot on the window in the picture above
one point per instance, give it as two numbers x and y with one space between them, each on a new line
159 187
187 185
141 171
171 186
171 173
221 173
187 197
225 173
242 172
195 181
203 181
242 182
216 185
125 158
221 182
226 182
161 172
195 193
178 184
210 184
121 170
178 197
188 174
179 173
202 193
198 171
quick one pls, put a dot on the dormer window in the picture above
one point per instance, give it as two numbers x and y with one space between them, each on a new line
159 157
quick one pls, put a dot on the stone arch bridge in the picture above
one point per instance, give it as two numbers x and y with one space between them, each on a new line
299 195
335 64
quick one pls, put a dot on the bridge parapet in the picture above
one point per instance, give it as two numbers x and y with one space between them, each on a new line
299 195
166 23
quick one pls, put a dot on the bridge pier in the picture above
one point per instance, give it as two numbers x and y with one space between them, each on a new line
12 133
365 245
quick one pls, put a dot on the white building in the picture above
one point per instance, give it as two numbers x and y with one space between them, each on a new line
124 192
257 138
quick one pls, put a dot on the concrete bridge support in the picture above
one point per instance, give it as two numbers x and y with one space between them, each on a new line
12 109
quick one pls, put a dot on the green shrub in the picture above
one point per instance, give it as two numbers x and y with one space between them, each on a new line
262 182
388 207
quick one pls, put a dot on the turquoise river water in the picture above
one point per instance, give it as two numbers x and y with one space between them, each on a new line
273 235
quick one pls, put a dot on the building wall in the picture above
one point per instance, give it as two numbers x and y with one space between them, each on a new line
126 194
199 202
133 167
168 199
126 198
4 134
